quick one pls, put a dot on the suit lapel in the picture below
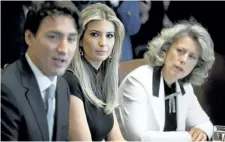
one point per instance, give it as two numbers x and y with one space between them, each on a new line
158 101
34 98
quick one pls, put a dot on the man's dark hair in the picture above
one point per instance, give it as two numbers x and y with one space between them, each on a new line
39 10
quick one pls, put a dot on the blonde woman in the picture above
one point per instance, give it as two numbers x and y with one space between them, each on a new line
157 100
93 76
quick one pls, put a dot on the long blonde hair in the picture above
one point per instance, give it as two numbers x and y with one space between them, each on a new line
92 12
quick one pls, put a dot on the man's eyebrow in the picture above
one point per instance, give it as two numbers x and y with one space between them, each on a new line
73 34
55 32
60 33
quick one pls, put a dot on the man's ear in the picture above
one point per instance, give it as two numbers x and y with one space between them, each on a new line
29 37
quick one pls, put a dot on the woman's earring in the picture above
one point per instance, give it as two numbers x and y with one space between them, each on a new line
110 57
81 52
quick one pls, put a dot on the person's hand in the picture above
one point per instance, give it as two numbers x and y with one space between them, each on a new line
197 134
114 3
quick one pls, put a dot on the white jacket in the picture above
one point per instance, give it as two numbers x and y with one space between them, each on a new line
141 113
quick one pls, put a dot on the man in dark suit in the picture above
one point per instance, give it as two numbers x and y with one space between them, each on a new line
31 110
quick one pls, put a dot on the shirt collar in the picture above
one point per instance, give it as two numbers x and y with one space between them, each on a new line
43 81
93 70
156 82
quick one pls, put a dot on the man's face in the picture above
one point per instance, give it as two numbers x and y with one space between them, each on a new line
52 49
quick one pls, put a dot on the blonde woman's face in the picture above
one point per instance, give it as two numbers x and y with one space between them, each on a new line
98 40
181 58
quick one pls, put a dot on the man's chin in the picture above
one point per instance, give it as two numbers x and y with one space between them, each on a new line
58 72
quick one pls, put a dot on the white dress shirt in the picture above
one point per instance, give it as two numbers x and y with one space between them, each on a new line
43 81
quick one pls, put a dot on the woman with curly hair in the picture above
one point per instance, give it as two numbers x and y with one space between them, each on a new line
157 100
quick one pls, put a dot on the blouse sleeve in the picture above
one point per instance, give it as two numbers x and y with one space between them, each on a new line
74 85
196 116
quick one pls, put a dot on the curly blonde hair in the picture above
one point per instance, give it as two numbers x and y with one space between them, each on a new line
159 45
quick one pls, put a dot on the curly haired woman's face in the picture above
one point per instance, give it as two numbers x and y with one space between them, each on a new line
181 58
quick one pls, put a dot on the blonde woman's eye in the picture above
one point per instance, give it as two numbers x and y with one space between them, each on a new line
94 34
110 35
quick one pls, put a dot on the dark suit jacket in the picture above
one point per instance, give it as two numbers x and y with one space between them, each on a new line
23 115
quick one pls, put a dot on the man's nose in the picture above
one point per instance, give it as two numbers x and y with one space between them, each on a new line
63 47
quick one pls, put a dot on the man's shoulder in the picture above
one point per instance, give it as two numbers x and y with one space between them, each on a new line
62 83
10 74
11 83
63 86
61 80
